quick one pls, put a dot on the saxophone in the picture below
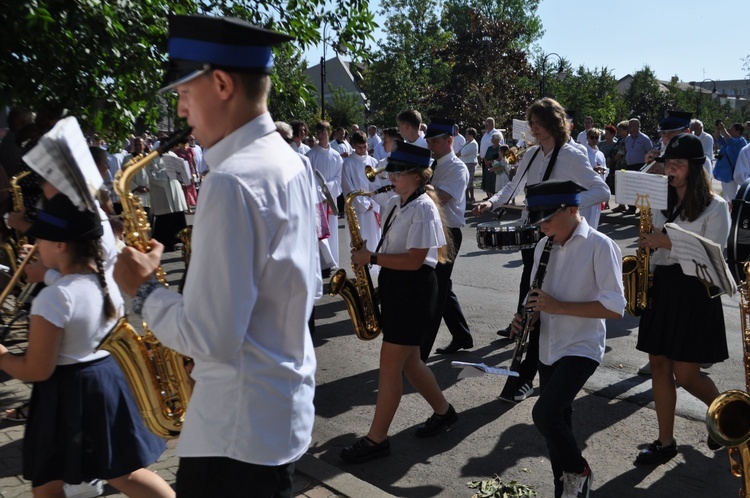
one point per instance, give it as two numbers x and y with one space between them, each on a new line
636 276
358 293
728 417
157 375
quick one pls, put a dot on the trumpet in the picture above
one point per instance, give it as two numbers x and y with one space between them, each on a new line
373 173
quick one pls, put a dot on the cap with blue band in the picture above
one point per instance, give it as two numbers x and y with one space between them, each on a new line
198 44
406 157
439 126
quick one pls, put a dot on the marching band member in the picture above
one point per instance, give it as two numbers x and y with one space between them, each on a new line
583 287
449 181
554 158
251 413
684 327
407 254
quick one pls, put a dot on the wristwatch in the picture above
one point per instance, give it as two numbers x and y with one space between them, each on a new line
374 258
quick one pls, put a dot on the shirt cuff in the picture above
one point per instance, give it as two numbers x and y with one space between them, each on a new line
142 294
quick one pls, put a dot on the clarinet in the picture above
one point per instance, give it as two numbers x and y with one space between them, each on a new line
523 339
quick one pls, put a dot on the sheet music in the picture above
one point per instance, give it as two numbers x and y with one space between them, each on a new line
479 369
702 258
521 130
630 184
62 158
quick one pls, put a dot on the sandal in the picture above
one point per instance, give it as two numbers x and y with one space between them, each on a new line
20 414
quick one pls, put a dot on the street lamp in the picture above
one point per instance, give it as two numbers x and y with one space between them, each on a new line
700 95
543 76
339 49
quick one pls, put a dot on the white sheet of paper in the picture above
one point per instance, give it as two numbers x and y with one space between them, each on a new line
630 184
62 158
479 369
700 257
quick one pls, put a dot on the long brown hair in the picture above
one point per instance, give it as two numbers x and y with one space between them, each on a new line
698 193
551 116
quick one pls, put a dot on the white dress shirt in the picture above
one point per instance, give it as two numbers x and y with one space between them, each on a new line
254 274
452 177
708 150
742 168
587 268
458 142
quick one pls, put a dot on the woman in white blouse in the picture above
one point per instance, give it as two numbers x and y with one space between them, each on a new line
684 327
413 241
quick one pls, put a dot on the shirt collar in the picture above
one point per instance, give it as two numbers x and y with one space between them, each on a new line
448 158
239 139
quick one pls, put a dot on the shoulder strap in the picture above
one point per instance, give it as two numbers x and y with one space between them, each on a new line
552 161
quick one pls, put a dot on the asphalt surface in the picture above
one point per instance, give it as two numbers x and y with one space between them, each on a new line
613 417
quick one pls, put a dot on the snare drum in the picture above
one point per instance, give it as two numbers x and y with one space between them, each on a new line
506 235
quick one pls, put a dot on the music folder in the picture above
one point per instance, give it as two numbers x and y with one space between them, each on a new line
479 369
701 258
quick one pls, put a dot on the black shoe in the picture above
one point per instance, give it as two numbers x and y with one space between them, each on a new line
631 210
364 449
326 273
504 332
620 208
656 454
436 423
712 444
454 346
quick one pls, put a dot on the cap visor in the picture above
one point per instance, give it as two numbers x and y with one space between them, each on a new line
184 79
538 217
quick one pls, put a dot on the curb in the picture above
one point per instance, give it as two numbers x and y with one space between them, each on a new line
336 479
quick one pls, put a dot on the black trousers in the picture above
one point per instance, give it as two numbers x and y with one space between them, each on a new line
210 477
448 303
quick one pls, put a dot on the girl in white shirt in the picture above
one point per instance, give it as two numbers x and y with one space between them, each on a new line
410 247
83 422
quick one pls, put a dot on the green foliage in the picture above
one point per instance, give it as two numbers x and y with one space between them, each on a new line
406 70
345 110
102 60
648 100
590 92
488 76
496 488
293 95
457 16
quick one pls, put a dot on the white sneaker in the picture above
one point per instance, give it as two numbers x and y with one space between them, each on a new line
524 391
577 485
84 490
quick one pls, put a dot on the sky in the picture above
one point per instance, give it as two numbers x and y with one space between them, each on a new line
692 39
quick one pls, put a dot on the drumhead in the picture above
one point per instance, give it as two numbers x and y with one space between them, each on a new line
738 245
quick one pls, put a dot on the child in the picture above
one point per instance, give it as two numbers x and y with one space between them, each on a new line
83 422
583 287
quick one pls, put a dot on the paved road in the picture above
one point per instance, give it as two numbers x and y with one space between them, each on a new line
614 414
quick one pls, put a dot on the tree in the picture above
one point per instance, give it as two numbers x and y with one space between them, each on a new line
647 100
590 92
102 60
457 16
292 101
488 76
346 109
406 69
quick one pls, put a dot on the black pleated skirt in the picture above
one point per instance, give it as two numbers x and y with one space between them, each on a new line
84 424
408 303
684 323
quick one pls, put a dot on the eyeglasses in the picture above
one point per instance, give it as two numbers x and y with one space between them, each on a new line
594 136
